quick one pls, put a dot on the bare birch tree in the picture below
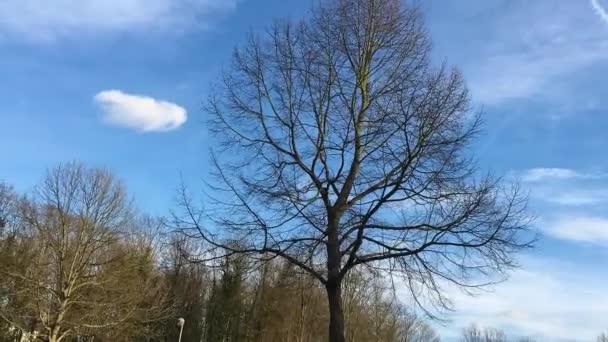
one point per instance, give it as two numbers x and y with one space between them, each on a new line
342 145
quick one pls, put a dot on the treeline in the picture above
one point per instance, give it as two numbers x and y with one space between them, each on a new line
275 302
79 263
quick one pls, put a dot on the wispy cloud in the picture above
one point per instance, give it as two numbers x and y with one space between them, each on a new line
139 112
554 173
549 299
573 197
581 228
541 174
561 299
579 196
566 187
600 10
532 48
43 20
525 74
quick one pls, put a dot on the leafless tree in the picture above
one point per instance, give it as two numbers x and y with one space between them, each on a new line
373 314
71 271
602 338
8 208
342 145
417 330
472 334
8 222
475 334
494 335
526 339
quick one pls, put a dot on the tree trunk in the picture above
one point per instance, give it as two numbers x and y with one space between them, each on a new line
334 280
54 335
336 316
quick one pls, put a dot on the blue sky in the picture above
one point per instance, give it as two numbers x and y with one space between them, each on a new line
71 70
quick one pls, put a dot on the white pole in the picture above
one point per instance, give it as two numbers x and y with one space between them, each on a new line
180 322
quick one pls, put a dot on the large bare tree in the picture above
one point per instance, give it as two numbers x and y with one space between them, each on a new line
343 145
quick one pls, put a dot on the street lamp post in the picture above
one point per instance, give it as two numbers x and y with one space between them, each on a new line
180 324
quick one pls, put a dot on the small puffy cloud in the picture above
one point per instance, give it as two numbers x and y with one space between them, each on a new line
142 113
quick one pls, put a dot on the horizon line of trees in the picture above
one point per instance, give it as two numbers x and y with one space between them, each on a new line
79 262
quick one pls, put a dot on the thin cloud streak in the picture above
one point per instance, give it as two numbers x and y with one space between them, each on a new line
600 10
541 44
548 299
588 229
541 174
573 197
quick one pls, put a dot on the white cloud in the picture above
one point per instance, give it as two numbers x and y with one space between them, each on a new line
532 48
541 174
571 197
139 112
549 299
526 74
566 187
557 299
600 10
580 228
48 20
